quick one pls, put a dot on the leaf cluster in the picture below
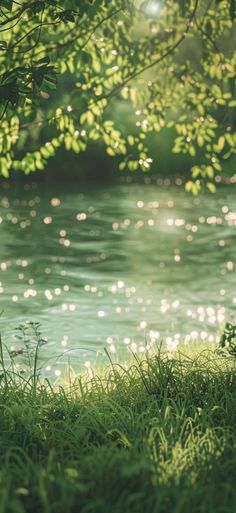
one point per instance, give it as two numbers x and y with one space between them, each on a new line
165 66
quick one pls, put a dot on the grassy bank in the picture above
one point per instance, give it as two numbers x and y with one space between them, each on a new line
160 437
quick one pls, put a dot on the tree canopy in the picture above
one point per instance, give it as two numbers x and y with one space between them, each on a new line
65 62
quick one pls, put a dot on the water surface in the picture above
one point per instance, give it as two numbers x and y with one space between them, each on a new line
117 266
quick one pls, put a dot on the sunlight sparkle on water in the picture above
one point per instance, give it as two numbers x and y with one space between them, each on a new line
139 270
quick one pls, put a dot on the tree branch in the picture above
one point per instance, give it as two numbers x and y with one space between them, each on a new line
168 52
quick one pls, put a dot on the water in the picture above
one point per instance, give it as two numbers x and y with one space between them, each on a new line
117 266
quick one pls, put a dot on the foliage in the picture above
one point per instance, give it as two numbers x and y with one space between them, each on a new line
174 62
227 343
159 436
29 341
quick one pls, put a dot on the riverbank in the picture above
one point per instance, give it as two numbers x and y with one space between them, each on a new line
158 437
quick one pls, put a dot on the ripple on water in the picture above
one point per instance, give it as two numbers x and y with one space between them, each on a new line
124 267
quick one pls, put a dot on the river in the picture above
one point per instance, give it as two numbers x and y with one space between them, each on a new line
117 266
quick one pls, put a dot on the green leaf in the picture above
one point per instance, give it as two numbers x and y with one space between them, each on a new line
87 117
192 151
211 187
209 172
3 45
37 7
130 140
176 149
7 4
188 186
75 146
230 139
200 140
4 168
195 189
221 143
217 166
200 109
110 151
67 16
42 62
196 171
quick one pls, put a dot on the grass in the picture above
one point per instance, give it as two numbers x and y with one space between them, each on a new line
159 437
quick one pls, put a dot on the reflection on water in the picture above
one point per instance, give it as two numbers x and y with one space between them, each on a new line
116 267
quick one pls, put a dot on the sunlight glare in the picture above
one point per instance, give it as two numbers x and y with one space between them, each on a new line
152 8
